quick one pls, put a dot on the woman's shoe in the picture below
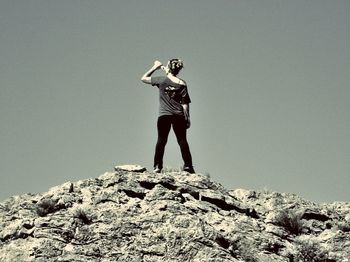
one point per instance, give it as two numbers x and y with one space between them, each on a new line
189 169
157 169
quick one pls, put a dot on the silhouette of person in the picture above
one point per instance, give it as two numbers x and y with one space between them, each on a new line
174 110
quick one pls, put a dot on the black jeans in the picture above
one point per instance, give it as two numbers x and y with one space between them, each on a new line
180 127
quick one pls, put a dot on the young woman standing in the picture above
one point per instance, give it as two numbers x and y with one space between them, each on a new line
174 110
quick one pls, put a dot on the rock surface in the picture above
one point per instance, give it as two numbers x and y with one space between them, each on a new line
133 215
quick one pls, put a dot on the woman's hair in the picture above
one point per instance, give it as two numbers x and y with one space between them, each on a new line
175 65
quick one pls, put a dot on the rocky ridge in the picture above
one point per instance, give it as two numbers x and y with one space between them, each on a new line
134 215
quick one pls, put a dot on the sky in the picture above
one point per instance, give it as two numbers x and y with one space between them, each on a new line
269 84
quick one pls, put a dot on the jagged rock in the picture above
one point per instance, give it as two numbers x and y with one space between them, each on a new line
134 215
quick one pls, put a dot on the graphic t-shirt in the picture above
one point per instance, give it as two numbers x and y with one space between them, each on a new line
171 96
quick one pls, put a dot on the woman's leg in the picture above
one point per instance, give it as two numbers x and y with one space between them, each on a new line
163 126
180 129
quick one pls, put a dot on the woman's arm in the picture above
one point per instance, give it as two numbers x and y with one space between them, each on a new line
146 78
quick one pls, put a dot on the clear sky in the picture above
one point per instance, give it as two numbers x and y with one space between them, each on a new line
269 83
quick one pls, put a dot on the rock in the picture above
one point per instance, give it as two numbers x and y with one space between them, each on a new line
133 215
130 168
315 215
243 194
347 217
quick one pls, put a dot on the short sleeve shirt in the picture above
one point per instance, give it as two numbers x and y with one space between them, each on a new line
171 96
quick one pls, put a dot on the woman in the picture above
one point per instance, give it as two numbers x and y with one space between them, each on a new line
174 110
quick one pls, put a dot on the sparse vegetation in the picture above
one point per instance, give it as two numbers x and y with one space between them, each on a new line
207 174
244 249
249 255
291 221
311 251
4 207
273 246
266 191
344 226
82 215
45 207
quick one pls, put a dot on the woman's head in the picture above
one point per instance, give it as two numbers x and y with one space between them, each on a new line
175 65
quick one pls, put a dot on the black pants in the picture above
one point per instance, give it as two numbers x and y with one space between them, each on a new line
180 127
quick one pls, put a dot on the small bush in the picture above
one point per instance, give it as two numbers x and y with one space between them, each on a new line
311 251
4 207
273 246
45 207
68 235
266 191
82 215
207 174
291 221
244 249
344 226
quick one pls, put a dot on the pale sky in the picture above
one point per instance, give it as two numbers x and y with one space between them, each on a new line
269 83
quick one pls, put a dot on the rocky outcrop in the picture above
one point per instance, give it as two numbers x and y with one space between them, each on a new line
133 215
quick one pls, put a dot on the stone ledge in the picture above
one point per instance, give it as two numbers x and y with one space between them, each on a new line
130 168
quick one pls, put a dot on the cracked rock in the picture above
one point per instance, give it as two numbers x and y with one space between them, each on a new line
134 215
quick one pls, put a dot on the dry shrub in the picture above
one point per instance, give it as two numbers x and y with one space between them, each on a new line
291 221
311 251
45 207
82 216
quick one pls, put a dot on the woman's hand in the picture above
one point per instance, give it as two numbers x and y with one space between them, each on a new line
186 110
146 78
157 64
188 122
